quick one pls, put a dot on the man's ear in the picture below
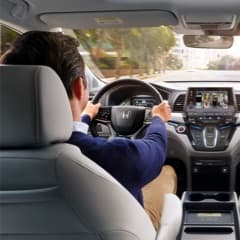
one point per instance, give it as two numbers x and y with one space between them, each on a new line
77 88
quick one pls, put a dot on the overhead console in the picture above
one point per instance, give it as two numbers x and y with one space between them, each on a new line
210 117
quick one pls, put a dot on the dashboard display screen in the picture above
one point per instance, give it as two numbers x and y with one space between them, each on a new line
142 100
211 99
204 99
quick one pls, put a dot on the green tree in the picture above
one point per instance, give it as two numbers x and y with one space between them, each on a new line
150 46
147 48
117 38
213 65
173 62
7 37
224 63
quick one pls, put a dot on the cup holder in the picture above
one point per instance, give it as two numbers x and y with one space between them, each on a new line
196 197
221 197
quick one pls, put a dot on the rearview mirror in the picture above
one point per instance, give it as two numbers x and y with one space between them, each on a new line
208 41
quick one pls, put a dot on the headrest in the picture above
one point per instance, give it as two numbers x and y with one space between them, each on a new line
34 107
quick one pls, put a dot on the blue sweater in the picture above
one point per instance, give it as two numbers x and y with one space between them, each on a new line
133 163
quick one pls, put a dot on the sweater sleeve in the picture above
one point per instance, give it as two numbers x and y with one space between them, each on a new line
86 119
144 157
151 151
133 162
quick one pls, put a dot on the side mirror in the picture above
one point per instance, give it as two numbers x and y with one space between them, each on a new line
208 41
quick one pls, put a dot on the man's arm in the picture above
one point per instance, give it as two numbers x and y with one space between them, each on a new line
151 151
139 161
153 146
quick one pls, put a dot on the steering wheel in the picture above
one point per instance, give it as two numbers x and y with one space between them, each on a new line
126 120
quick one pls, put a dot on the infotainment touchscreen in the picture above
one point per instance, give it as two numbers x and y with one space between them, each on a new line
210 99
205 99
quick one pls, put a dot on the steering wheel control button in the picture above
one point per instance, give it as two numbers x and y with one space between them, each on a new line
181 129
148 115
104 114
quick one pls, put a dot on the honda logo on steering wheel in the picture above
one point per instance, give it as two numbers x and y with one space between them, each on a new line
125 114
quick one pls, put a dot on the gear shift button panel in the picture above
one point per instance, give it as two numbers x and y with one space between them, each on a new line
210 136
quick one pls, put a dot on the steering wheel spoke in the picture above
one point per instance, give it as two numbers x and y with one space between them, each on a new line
113 133
104 115
147 121
148 116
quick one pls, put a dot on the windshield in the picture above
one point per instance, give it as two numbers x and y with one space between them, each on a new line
149 53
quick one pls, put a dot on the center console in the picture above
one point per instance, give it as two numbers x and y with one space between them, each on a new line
210 117
208 174
210 215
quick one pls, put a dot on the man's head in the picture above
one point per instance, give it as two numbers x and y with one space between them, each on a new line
55 50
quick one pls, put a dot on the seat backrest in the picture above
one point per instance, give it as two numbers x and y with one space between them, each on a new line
48 188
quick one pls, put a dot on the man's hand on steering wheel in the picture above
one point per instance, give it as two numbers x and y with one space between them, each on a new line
162 110
91 110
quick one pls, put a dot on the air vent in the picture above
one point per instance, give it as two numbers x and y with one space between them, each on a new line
179 103
238 101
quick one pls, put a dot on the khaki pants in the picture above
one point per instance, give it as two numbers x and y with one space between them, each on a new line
153 192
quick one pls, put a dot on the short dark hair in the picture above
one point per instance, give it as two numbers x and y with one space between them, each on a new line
53 49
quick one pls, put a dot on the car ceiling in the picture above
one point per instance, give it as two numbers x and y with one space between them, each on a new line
187 16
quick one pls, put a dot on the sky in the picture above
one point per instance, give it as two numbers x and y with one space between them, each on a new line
235 50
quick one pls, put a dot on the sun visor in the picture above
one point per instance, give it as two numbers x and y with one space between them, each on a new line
109 19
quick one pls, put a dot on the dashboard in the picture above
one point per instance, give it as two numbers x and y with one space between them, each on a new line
209 115
203 132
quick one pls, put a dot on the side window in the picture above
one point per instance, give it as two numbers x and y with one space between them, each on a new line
7 37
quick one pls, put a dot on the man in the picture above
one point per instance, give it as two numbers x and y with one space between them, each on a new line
134 163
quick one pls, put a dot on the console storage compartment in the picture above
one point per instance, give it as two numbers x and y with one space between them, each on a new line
210 215
218 170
